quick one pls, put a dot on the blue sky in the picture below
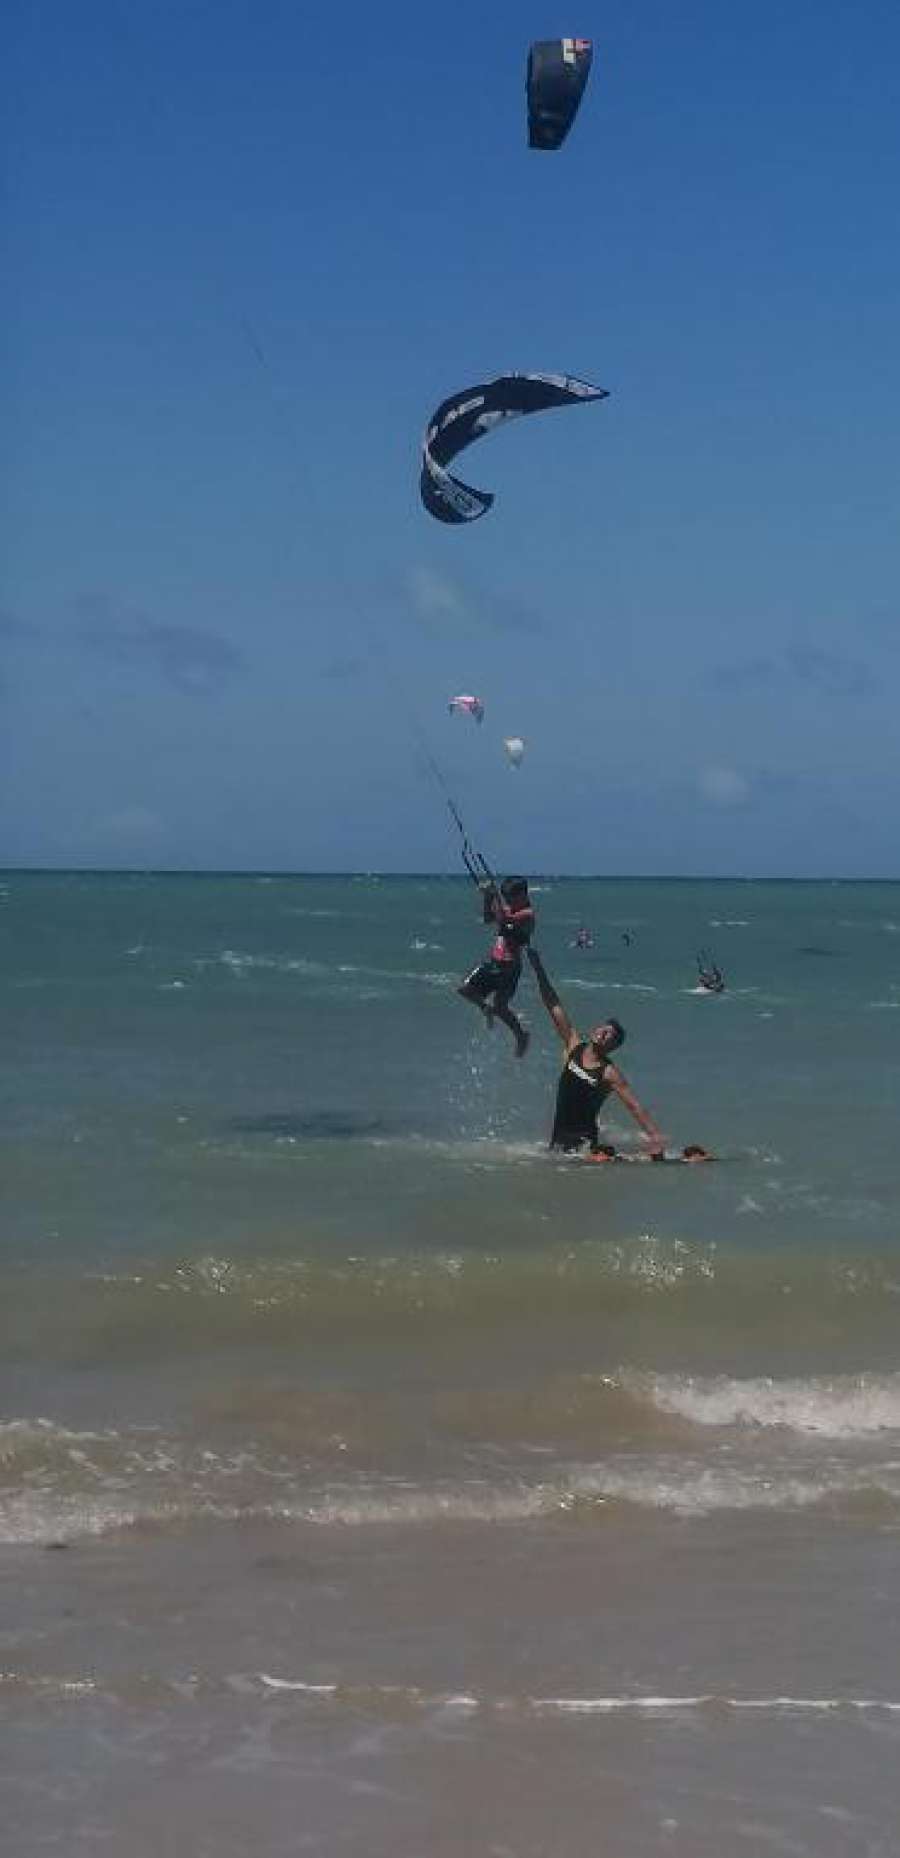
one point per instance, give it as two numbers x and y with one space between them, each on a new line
249 253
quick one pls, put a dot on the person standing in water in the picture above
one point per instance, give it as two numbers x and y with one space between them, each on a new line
588 1077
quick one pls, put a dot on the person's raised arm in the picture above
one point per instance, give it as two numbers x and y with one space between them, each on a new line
553 1002
613 1076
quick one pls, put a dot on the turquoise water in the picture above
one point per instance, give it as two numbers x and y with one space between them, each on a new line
189 1058
308 1340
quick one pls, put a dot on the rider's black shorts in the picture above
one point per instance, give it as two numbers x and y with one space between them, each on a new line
500 978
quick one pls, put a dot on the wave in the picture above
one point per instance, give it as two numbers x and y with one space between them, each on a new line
59 1485
679 1287
363 1697
242 964
835 1407
54 1521
605 986
276 1432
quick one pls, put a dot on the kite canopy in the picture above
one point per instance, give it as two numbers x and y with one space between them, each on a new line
515 748
467 706
468 415
558 70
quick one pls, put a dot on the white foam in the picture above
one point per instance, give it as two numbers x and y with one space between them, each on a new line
694 1489
481 1503
85 1485
66 1687
607 1706
837 1407
482 1151
608 987
39 1428
360 1694
240 964
662 1705
297 1683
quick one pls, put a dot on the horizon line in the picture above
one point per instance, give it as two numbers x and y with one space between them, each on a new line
570 877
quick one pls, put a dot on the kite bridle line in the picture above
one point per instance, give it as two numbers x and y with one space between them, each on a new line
707 964
475 863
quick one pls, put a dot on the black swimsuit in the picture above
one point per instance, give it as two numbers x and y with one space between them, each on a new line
579 1096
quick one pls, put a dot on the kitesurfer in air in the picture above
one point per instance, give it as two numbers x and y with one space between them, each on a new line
588 1078
493 983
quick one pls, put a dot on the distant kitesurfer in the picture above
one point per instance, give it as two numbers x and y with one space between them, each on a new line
589 1077
493 983
709 974
583 939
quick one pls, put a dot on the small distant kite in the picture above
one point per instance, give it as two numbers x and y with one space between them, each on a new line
515 749
468 415
467 706
558 70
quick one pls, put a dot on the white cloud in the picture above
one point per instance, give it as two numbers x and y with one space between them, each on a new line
723 786
434 597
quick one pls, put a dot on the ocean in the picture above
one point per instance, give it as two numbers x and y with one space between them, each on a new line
374 1483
